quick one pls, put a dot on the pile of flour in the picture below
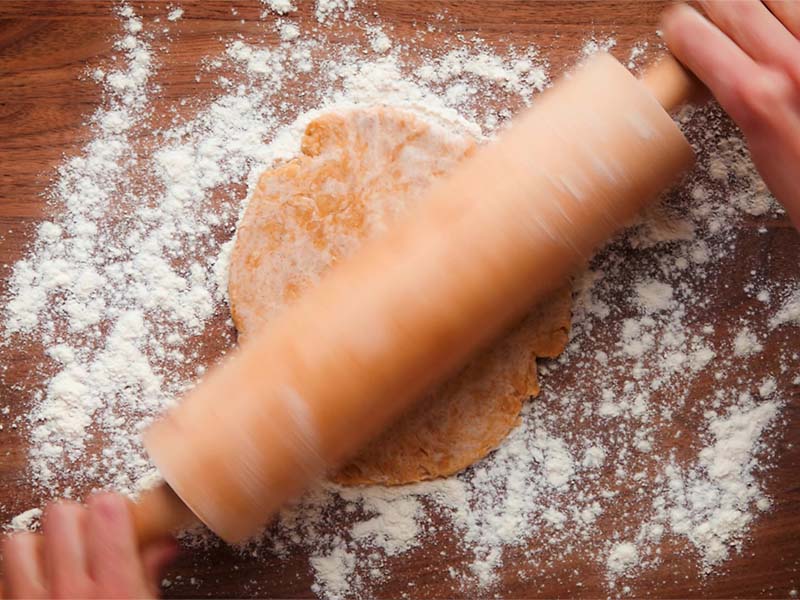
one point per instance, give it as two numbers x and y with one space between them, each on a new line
125 283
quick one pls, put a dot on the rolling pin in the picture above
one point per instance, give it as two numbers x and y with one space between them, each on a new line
337 367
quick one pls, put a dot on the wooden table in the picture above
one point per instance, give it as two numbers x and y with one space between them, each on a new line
43 103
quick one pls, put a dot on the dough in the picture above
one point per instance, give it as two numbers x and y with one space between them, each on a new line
358 171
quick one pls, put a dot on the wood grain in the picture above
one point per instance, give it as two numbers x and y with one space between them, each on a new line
45 99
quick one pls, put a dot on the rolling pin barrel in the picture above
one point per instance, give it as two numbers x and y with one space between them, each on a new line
333 370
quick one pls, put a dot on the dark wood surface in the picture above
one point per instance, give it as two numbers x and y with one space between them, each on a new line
44 102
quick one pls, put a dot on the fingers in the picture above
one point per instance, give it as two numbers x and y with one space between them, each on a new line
710 54
788 12
750 62
63 526
23 576
84 553
114 561
756 30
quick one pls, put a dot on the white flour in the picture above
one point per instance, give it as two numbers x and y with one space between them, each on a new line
334 572
175 14
622 557
714 501
124 281
594 45
281 7
789 312
326 9
746 343
26 521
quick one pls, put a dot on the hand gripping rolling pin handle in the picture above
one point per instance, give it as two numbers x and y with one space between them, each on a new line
159 511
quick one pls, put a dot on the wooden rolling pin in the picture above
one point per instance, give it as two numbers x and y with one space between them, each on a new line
336 368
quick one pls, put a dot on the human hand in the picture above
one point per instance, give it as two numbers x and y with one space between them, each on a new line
748 55
85 552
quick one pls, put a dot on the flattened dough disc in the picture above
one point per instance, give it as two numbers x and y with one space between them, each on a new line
358 171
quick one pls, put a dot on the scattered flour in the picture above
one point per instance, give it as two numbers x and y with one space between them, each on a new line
637 52
593 45
379 41
395 526
175 14
654 295
26 521
767 387
289 32
281 7
659 226
712 502
789 312
622 557
335 569
746 343
326 9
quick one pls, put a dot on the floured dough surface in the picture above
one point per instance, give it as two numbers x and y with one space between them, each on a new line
359 170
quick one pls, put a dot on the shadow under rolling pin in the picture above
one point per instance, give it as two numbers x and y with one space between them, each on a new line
351 355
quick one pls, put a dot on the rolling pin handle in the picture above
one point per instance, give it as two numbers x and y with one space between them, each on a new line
158 513
671 84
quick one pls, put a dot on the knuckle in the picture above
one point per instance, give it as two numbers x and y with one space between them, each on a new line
761 100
